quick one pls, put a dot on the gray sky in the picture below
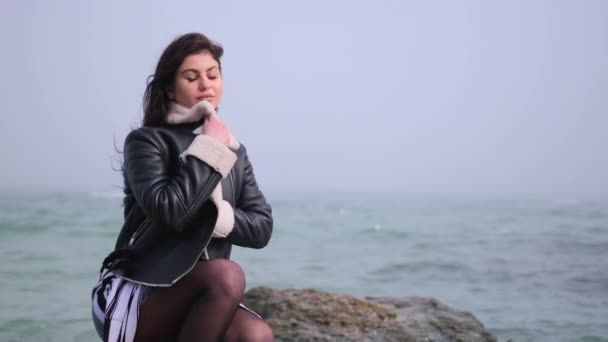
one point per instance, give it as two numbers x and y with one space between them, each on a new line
449 97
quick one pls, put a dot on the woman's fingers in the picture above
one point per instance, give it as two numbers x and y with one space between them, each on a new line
215 128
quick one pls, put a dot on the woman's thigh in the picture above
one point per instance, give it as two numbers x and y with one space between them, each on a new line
162 313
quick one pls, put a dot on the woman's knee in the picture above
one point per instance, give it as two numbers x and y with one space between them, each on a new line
230 280
221 277
260 332
247 328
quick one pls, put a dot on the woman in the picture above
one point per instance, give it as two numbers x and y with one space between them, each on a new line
190 193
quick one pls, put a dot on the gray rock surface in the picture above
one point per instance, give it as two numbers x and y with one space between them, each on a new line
312 315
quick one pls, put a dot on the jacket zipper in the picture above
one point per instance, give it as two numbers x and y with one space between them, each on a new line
138 232
232 187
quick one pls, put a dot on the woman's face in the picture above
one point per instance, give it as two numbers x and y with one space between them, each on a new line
197 79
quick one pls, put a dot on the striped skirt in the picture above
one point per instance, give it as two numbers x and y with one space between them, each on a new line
116 303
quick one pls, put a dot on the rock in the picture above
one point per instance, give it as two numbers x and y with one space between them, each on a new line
312 315
426 319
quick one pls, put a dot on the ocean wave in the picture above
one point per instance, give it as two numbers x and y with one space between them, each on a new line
421 266
106 195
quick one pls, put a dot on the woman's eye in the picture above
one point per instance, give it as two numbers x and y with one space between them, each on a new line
190 76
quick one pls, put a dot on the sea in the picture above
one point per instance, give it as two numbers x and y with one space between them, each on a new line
530 269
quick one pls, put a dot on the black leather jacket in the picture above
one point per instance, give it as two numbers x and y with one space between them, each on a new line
169 215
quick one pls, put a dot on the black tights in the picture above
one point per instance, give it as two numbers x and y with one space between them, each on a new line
202 306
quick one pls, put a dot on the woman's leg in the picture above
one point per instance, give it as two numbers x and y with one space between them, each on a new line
199 307
246 327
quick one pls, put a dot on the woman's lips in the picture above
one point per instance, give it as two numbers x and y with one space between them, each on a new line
208 98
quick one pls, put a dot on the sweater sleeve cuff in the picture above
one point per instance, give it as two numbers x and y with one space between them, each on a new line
212 152
225 220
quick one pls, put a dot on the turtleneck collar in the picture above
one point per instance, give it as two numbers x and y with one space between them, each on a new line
179 114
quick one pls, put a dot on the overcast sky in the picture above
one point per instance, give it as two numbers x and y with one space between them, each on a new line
448 97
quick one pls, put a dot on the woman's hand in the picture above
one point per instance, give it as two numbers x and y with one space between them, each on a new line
215 128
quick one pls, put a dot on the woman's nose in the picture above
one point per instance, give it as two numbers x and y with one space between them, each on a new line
204 83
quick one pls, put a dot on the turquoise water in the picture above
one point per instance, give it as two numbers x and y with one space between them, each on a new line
529 269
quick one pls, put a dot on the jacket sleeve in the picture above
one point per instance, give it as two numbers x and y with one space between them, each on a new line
252 215
172 198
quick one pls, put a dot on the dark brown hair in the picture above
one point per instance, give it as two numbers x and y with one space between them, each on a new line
156 98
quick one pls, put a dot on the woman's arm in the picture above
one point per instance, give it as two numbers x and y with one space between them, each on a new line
173 200
252 215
